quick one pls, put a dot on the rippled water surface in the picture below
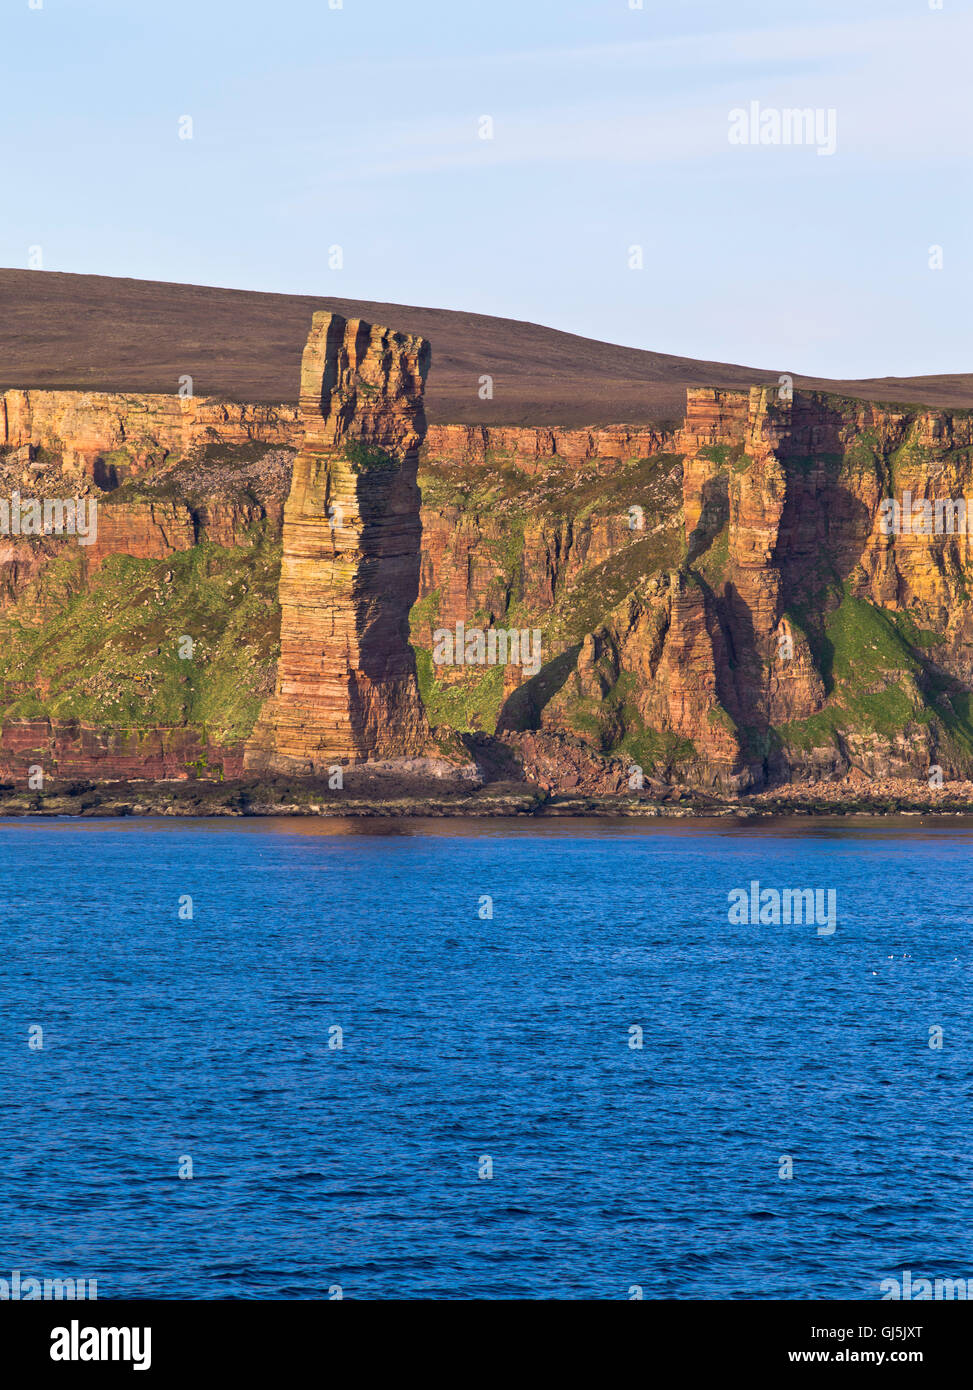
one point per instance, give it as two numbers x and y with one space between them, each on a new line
468 1039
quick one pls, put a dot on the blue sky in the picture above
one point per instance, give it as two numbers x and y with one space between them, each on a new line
358 127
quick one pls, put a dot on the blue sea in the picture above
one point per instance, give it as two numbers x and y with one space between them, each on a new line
402 1059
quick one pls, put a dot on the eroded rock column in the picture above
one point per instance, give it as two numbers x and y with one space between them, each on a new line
346 682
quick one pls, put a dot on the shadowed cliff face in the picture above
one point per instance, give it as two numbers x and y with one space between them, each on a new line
761 627
346 679
796 639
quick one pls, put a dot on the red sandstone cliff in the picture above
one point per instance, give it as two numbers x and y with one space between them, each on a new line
113 437
706 644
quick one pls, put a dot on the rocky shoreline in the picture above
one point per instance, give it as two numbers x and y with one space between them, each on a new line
383 798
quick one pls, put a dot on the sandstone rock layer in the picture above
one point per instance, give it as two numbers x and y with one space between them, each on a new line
346 684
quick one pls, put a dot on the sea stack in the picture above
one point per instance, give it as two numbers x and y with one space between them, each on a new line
346 689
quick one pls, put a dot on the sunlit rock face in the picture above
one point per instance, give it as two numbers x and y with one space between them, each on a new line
346 682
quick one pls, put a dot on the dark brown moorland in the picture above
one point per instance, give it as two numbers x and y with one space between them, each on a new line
93 332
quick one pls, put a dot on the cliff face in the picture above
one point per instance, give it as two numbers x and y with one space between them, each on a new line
718 605
346 680
797 639
148 649
533 448
111 438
